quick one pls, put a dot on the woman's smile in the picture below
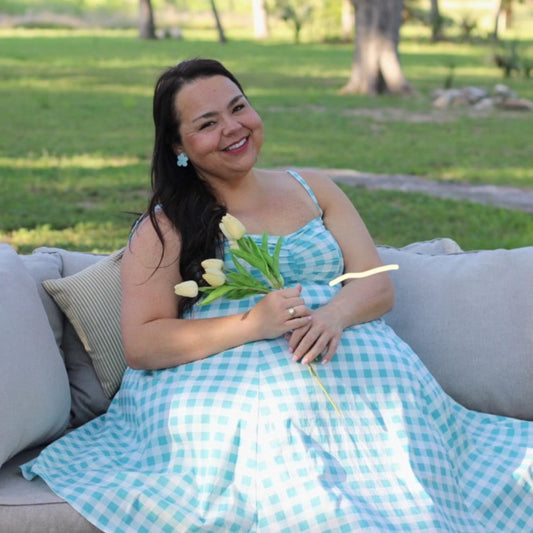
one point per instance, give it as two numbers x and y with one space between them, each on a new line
238 146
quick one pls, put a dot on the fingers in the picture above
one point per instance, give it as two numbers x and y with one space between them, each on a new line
298 310
313 341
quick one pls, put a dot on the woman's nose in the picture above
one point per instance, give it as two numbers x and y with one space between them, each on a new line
230 125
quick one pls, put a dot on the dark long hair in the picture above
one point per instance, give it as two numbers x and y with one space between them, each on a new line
186 200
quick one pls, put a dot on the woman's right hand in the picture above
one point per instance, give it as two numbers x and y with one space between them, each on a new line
273 316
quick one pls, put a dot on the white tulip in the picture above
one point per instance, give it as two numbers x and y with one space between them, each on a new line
214 264
232 227
214 277
187 288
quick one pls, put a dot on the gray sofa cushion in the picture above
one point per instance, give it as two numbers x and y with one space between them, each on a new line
31 507
41 267
34 389
469 317
91 299
88 399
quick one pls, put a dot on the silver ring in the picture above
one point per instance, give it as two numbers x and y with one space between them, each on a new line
292 312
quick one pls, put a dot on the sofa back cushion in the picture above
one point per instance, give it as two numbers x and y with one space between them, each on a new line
34 388
469 317
91 299
41 267
88 399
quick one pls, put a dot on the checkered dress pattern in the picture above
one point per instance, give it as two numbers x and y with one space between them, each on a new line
245 441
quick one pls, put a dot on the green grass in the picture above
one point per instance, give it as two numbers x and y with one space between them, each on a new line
76 133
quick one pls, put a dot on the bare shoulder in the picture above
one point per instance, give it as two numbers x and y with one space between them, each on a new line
325 189
145 244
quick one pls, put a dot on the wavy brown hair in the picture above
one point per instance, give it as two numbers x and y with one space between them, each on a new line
187 201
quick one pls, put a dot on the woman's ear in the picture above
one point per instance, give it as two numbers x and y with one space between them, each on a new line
176 148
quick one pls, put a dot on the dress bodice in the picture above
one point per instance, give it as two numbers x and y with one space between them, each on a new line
309 255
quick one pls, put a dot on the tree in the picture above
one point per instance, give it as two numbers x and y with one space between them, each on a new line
376 62
146 20
296 13
347 20
436 21
220 29
261 29
505 8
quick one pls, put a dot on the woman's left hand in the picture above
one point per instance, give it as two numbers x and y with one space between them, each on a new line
320 337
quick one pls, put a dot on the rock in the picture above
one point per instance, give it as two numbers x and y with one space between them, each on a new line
169 33
502 97
484 104
474 94
516 104
445 97
503 92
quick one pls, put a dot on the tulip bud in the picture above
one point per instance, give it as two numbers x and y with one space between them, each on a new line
214 277
214 264
187 288
232 227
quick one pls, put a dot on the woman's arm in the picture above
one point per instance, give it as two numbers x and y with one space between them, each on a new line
359 300
152 335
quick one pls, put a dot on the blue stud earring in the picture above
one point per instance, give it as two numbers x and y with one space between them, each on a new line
182 160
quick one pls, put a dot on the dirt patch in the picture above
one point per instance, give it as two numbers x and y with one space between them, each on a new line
395 114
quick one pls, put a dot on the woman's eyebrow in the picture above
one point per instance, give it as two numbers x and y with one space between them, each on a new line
211 114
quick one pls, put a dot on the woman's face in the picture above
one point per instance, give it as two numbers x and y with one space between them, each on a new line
220 131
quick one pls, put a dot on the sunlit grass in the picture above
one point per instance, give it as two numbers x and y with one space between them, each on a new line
82 236
76 132
77 161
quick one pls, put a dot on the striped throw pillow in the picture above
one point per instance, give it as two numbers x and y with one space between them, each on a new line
91 301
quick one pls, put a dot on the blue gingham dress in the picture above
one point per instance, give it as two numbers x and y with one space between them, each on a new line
246 441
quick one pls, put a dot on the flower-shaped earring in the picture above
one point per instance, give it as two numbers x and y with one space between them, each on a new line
182 160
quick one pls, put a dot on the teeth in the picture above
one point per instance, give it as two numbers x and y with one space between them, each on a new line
236 145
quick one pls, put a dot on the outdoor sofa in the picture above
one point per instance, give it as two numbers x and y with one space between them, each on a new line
468 315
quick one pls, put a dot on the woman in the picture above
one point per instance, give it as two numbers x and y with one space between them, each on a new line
218 426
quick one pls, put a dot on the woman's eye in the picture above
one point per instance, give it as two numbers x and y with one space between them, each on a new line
206 125
238 107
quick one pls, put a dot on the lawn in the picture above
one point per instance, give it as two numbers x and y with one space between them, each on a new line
76 133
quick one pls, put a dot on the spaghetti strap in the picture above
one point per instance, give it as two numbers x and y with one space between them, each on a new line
304 184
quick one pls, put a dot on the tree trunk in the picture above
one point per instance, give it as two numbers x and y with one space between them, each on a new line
146 20
261 29
376 63
508 14
220 29
347 20
497 17
436 21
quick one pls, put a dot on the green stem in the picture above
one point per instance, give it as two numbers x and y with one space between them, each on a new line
315 375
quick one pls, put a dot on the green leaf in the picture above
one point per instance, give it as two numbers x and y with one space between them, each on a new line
238 266
247 280
215 294
275 258
264 243
240 293
254 260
